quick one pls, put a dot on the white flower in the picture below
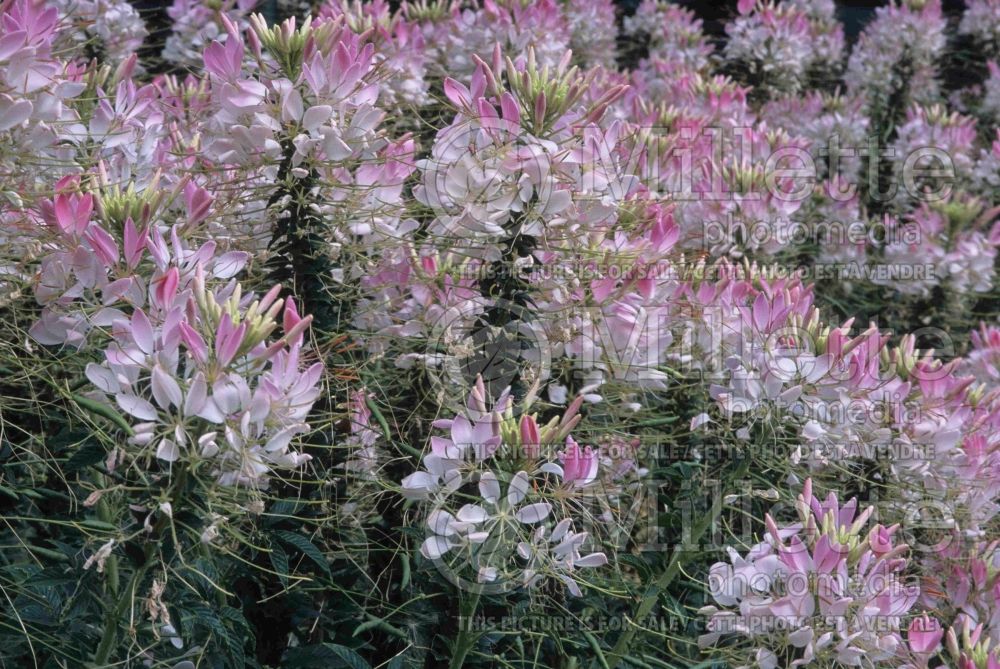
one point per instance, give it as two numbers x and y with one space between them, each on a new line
474 524
420 485
100 557
170 633
558 553
211 533
699 420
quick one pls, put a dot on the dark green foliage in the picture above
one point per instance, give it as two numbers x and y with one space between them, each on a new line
300 246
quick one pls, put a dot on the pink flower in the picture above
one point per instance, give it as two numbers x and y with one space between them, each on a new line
194 342
530 439
880 539
291 318
225 61
71 212
924 635
198 200
228 339
480 438
579 465
135 243
166 288
103 245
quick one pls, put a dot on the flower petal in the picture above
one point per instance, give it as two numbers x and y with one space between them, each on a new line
518 489
441 522
592 560
533 513
489 488
472 513
434 547
168 450
136 406
166 390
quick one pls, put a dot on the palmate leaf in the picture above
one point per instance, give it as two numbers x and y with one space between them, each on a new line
230 630
279 560
240 634
88 454
306 547
276 514
325 656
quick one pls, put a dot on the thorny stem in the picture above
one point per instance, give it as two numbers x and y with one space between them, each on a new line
299 243
104 514
111 620
511 296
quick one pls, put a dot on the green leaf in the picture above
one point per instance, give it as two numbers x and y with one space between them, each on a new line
205 617
99 525
284 507
279 560
89 454
235 641
306 547
228 639
324 656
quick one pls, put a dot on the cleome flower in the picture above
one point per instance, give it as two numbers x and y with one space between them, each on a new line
474 523
236 400
493 498
820 590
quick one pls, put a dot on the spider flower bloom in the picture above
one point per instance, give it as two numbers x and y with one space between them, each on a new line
790 589
579 465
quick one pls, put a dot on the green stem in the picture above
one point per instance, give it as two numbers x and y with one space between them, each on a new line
652 594
104 514
114 615
466 636
206 553
111 620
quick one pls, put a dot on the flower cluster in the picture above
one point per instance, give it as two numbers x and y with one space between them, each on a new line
591 239
825 589
898 53
781 45
401 49
520 481
990 104
676 37
112 29
187 357
944 238
196 24
980 22
927 135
